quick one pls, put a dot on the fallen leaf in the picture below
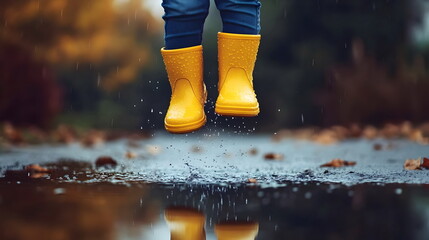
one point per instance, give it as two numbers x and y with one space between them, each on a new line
252 180
274 156
377 147
406 128
253 151
355 130
338 163
326 137
105 161
390 131
94 138
416 135
65 134
36 171
425 163
370 132
130 155
412 164
12 134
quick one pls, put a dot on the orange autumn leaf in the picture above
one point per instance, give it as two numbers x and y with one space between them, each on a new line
412 164
274 156
252 180
130 155
36 171
338 163
35 168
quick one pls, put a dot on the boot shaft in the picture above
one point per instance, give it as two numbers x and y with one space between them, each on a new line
185 63
237 51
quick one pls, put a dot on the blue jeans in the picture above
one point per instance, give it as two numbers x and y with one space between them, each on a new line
184 19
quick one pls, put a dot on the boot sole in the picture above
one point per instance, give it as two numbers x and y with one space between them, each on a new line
186 128
237 111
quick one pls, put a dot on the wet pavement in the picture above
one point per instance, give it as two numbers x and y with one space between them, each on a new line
204 181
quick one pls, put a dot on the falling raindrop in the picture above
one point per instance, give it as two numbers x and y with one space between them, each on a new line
98 79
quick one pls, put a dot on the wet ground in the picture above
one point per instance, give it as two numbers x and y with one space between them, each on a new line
208 176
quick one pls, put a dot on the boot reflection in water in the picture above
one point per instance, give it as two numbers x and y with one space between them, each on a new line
238 44
185 224
237 231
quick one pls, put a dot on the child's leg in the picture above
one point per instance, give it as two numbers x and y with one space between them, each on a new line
184 21
240 16
183 58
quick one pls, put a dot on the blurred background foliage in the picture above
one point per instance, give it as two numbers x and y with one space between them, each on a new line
96 64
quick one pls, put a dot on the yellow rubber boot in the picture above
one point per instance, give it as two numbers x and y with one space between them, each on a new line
237 57
185 72
237 231
185 224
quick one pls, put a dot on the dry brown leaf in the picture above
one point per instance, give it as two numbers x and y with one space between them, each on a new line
338 163
36 171
390 131
412 164
253 151
425 163
105 161
12 134
416 135
94 138
355 131
377 147
130 155
274 156
65 134
252 180
406 128
326 137
370 132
